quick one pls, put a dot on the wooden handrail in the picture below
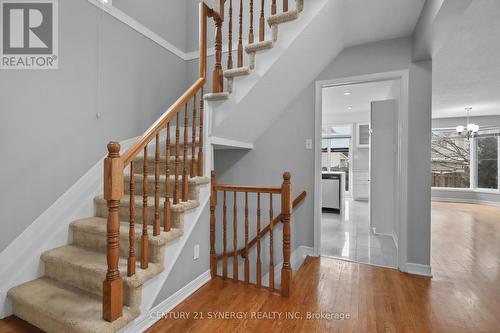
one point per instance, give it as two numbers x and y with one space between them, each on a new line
246 189
276 220
150 134
114 166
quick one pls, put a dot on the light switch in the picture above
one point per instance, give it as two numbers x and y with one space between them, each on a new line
309 144
196 252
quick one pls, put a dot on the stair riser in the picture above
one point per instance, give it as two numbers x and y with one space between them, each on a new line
138 165
177 217
193 189
98 242
38 319
89 281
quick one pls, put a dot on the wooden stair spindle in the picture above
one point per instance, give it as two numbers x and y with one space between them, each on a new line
286 210
177 159
213 205
273 8
193 138
144 237
271 244
247 261
250 32
131 232
235 239
259 263
113 192
230 39
217 75
156 222
240 36
262 23
185 185
285 6
167 222
200 139
224 239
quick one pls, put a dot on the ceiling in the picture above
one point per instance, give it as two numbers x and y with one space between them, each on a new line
335 102
392 19
466 70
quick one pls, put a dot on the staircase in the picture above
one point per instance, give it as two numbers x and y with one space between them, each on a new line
68 298
95 284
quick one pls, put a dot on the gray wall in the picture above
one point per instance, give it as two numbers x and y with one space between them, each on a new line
186 269
166 18
282 147
49 132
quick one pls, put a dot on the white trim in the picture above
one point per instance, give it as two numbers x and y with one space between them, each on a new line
418 269
223 143
148 33
124 18
48 231
392 235
467 189
169 304
469 201
402 190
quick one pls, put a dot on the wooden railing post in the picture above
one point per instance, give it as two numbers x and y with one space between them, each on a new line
217 76
213 205
112 305
286 211
250 31
230 39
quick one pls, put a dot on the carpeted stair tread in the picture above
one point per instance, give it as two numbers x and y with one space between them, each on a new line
181 207
283 17
97 226
216 96
86 269
58 308
259 46
198 181
239 71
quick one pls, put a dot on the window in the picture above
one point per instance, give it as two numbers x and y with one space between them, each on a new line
450 160
459 162
487 161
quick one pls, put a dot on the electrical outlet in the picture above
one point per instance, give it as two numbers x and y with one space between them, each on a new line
309 144
196 252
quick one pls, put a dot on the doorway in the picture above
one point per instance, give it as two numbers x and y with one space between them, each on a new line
359 156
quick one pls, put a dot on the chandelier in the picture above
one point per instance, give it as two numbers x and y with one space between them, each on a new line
470 130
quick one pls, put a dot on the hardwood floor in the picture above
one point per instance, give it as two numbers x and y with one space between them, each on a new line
463 296
13 324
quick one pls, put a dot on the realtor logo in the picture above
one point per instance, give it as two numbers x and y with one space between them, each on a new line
29 34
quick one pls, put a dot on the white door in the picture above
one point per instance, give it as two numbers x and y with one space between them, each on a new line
383 153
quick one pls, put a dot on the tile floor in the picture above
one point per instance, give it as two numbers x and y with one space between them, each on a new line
348 236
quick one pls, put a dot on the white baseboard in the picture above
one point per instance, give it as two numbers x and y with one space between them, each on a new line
168 305
418 269
470 201
393 236
20 261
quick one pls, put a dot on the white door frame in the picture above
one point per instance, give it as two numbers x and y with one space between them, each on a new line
402 160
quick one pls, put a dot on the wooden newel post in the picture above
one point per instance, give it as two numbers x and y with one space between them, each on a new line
112 286
213 204
286 211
